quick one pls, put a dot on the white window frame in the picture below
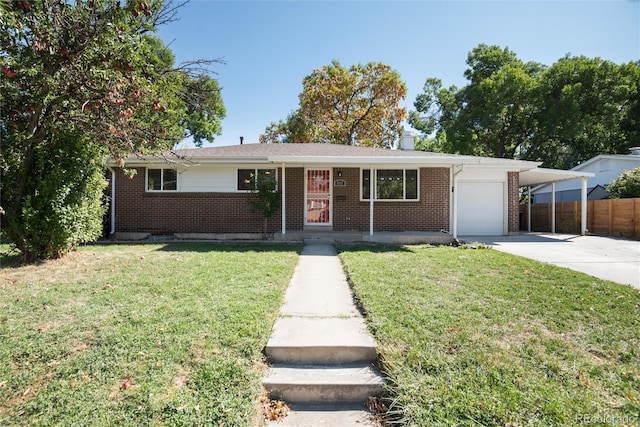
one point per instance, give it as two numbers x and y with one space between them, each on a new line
374 179
255 171
161 190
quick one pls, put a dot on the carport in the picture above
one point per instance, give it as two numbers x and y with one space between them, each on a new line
537 176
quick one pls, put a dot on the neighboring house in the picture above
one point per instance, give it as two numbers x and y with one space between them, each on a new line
203 192
605 168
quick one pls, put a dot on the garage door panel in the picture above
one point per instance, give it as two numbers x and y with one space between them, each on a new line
481 209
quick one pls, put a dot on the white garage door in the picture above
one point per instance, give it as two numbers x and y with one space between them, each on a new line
481 209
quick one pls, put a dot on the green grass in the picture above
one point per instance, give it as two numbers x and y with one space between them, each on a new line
167 334
479 337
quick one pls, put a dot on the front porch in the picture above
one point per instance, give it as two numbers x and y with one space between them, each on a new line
400 238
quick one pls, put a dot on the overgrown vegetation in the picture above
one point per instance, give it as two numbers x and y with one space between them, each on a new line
80 81
479 337
139 335
64 206
626 185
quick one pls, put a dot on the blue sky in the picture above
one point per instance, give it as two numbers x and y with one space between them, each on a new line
270 46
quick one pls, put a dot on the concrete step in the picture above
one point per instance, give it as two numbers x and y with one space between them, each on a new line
323 383
320 340
327 415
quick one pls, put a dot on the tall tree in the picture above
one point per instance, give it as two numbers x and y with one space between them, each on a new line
561 115
494 115
589 107
87 71
354 106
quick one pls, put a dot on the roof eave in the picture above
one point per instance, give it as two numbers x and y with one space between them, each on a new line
547 176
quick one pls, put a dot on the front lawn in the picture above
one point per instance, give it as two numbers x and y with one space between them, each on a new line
167 334
479 337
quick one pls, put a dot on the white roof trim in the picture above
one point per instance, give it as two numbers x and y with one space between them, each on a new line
623 157
539 176
447 161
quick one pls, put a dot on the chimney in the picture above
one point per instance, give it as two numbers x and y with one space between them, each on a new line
635 151
241 140
407 142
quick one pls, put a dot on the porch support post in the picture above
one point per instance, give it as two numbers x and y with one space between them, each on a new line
284 204
529 208
372 191
553 208
112 230
583 206
454 189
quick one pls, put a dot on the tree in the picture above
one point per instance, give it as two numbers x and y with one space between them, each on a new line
88 72
266 197
626 185
494 115
560 115
355 106
589 107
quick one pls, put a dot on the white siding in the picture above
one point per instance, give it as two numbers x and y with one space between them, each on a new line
210 178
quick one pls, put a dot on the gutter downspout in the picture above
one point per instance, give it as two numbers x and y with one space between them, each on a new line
112 230
454 199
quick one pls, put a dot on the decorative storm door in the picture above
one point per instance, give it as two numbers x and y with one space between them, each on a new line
318 197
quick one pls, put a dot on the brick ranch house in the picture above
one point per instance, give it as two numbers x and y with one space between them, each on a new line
202 193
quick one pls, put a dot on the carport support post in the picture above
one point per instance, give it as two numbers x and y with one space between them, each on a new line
529 208
553 207
583 206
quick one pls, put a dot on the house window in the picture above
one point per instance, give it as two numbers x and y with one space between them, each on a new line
162 180
391 184
247 177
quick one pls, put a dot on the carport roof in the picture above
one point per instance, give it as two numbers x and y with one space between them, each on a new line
538 176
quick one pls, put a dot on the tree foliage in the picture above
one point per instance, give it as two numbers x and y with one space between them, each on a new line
561 115
66 205
90 70
354 106
626 185
292 130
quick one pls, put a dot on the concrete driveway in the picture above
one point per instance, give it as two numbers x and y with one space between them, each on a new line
608 258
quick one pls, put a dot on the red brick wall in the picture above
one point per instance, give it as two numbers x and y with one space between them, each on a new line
514 201
294 198
167 212
430 213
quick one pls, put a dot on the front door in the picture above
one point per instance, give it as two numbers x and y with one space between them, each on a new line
318 197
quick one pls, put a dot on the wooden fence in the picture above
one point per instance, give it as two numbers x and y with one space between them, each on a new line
610 217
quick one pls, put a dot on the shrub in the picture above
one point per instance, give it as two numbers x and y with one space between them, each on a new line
60 204
626 185
266 199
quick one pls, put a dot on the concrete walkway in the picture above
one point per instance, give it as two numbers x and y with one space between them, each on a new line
607 258
321 353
